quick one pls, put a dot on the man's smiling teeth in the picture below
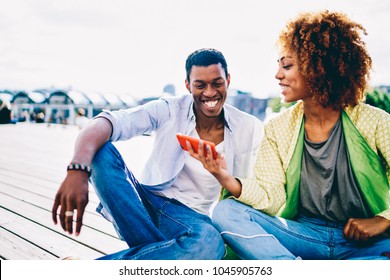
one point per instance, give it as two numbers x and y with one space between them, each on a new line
211 103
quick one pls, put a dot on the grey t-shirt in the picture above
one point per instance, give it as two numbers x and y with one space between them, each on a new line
328 188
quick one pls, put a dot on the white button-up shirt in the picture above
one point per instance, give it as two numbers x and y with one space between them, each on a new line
170 115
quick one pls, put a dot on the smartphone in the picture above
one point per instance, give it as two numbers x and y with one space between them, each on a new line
195 144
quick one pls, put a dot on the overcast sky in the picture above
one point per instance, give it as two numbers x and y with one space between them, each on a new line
137 47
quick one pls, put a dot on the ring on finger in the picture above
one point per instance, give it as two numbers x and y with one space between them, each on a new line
68 213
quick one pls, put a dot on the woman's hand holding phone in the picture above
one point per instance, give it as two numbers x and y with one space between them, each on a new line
204 151
215 163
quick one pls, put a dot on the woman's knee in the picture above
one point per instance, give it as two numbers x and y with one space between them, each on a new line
227 211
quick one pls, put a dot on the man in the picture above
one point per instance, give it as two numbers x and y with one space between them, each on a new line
165 214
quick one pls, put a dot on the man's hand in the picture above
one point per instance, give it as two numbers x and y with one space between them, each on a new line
363 229
73 192
72 195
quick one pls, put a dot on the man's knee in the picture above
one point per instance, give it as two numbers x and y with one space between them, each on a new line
106 164
204 244
102 154
213 244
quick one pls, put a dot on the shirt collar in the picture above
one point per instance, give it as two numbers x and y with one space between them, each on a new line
191 115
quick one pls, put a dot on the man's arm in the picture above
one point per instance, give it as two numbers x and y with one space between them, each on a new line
73 192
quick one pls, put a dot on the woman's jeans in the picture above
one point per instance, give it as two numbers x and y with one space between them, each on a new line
253 234
154 227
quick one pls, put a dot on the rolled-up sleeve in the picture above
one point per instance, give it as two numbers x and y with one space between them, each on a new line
127 123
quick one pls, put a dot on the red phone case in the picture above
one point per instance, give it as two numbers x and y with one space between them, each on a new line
195 144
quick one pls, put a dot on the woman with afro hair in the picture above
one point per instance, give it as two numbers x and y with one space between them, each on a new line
321 185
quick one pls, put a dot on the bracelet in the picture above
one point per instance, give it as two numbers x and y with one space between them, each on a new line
81 167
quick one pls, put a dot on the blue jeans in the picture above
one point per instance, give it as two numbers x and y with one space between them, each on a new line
154 227
253 234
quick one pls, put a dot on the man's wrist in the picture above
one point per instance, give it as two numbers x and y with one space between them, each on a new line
79 167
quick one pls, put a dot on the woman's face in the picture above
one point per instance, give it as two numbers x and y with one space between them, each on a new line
290 79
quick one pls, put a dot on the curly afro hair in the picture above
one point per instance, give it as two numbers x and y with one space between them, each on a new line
332 56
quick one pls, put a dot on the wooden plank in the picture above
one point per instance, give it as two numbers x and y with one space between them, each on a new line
15 247
91 218
37 186
89 237
42 237
50 171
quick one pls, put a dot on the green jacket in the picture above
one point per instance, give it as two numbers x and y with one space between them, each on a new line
275 187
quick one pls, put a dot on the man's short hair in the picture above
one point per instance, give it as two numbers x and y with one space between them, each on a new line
205 57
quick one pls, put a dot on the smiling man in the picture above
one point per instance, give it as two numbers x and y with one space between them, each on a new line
164 215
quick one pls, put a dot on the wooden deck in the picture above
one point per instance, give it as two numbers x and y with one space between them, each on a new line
33 159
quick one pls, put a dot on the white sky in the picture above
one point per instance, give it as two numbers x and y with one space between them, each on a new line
137 47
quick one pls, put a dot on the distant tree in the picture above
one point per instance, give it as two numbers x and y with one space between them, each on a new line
276 104
379 99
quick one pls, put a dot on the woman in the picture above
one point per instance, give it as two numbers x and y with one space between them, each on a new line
321 186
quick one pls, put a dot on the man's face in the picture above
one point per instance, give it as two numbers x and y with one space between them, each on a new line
208 86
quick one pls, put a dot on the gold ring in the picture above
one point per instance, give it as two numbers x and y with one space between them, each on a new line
69 213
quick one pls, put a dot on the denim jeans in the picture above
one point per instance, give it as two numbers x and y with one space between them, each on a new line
253 234
154 227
